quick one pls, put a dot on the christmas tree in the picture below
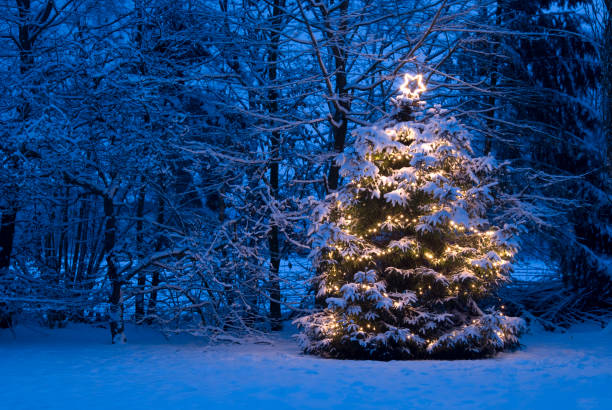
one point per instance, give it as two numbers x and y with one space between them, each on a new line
406 257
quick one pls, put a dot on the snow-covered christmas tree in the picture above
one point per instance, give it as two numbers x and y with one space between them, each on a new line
406 256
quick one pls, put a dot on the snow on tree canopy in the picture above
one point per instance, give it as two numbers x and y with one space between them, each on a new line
405 254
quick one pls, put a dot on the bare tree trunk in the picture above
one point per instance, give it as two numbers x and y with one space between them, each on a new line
142 277
151 308
28 29
140 302
275 258
342 106
78 256
64 235
7 234
274 240
26 61
117 326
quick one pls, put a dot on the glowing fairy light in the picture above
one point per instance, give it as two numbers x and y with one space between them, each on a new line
413 86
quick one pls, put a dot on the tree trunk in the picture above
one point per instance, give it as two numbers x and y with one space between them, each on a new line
140 302
142 277
64 235
275 142
7 234
339 123
117 326
79 245
115 301
155 277
26 61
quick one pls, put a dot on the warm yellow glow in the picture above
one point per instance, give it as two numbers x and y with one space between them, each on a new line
416 92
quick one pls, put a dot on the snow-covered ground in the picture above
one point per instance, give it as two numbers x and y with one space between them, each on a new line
76 368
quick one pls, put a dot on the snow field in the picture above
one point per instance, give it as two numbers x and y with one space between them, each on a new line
77 368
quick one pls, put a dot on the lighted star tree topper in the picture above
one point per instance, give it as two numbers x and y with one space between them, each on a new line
407 260
412 87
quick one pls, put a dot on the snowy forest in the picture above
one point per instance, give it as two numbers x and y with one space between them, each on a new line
401 179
